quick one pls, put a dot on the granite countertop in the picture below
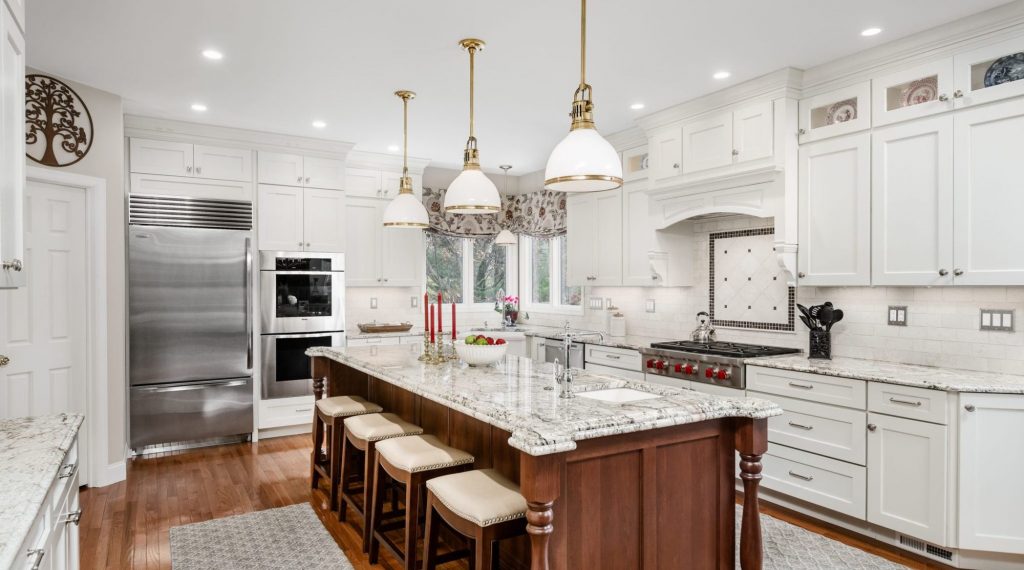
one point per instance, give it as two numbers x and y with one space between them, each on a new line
519 396
356 333
950 380
628 342
31 452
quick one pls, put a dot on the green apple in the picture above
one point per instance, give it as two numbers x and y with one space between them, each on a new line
471 339
481 341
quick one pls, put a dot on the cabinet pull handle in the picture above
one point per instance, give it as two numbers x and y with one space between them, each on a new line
905 402
73 518
36 556
676 166
67 470
199 170
188 169
385 279
969 407
613 356
799 476
872 427
958 94
735 152
943 97
801 426
943 272
801 386
958 272
801 275
303 410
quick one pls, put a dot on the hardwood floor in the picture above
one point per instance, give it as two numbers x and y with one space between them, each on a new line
126 525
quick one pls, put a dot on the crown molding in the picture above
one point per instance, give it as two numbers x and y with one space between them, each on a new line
632 137
384 161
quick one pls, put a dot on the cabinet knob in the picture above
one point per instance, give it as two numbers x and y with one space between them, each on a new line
958 272
675 165
958 94
943 272
299 179
735 152
4 360
385 279
802 132
188 169
307 244
872 427
943 97
199 170
969 407
307 180
300 244
14 264
801 275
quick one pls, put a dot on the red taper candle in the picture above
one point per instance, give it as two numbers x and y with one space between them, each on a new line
453 321
431 323
426 312
440 303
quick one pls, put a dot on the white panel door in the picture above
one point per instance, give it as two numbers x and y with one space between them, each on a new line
280 218
666 149
991 437
637 237
160 157
988 199
912 203
323 220
279 168
43 325
363 231
753 133
707 143
402 256
12 149
608 238
324 173
974 82
835 212
580 232
362 182
907 477
223 163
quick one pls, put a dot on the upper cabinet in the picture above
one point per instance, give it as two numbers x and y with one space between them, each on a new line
594 238
913 93
296 170
666 154
835 113
635 163
753 132
989 73
301 219
12 151
172 158
370 183
386 257
707 143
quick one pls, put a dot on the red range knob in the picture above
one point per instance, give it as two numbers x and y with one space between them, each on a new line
709 373
650 363
689 369
679 368
722 374
661 365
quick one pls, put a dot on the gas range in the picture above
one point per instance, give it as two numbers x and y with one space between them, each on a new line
717 363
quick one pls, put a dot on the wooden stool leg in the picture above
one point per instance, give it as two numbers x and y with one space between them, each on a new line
369 491
430 535
318 435
334 453
375 511
412 519
482 549
346 466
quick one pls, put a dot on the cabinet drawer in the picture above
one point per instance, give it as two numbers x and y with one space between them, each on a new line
819 388
826 482
612 371
908 402
819 428
286 412
614 357
372 341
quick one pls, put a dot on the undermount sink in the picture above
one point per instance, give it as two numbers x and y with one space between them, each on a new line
498 329
618 395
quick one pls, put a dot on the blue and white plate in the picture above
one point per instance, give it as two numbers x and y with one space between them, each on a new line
1005 69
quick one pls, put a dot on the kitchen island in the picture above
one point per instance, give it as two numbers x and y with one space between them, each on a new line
640 484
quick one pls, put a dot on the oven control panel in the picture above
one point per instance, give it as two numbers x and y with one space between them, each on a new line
697 368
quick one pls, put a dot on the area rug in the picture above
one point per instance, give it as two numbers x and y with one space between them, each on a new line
280 539
789 547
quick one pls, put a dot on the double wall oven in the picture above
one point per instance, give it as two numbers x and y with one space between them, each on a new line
302 305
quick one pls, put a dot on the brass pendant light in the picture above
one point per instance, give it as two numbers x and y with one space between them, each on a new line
472 192
405 211
583 161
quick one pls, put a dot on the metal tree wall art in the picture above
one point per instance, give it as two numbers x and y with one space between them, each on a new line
58 126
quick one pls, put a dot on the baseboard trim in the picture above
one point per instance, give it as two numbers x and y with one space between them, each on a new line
112 473
285 431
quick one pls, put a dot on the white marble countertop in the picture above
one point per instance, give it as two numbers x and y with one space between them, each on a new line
31 452
519 396
934 378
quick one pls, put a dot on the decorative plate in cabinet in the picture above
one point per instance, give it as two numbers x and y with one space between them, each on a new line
838 112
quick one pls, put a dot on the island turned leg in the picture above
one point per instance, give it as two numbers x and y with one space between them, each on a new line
751 443
319 366
540 482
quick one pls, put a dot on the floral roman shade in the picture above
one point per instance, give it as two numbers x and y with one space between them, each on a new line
537 214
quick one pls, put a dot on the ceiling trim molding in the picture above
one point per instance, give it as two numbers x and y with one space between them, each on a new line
632 137
384 161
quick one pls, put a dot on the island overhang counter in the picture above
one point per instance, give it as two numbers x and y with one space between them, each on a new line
642 484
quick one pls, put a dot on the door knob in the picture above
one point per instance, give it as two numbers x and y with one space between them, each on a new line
872 427
4 360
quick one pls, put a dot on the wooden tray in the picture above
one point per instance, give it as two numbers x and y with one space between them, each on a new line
384 327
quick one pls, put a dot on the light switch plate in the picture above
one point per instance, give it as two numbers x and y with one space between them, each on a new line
649 306
997 320
414 301
596 303
897 315
373 302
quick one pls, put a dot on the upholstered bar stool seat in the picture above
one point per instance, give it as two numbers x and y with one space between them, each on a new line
412 461
375 427
481 505
327 426
344 406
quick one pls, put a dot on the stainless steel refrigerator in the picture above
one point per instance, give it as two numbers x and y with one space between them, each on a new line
189 319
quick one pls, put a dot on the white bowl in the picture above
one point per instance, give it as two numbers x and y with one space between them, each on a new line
478 354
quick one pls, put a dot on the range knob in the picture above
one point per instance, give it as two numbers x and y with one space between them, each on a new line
723 374
679 368
709 373
650 363
689 369
660 365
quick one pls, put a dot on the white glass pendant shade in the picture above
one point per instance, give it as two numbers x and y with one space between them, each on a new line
406 211
583 162
472 192
505 238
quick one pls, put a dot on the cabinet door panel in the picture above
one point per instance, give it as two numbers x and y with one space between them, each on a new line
160 157
988 200
835 212
278 168
979 81
707 143
402 256
191 187
12 149
912 203
835 113
581 228
608 238
666 148
280 218
362 182
323 219
637 239
221 163
912 93
363 237
323 173
753 133
907 481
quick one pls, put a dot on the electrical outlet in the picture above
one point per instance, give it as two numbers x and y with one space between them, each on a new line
596 303
608 303
996 320
373 302
649 306
414 301
897 316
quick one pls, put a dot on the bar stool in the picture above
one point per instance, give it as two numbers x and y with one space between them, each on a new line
327 417
362 433
412 461
480 505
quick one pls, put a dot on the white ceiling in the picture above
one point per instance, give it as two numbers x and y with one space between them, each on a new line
287 63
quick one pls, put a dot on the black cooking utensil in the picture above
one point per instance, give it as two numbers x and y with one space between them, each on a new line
826 315
837 316
807 322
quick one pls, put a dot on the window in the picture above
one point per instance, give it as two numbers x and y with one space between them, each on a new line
544 266
467 271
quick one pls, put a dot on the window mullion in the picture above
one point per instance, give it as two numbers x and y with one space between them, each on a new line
467 271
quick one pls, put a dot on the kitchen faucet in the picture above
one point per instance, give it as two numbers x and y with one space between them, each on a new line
565 378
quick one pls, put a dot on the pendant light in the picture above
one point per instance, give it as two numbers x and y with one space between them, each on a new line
584 161
472 192
505 238
405 211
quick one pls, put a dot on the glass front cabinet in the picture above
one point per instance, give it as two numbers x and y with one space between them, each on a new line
839 112
913 93
989 73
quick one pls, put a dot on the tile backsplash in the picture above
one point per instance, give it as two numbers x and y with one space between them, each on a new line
747 286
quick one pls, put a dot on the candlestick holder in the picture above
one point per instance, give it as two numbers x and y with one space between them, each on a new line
425 355
449 350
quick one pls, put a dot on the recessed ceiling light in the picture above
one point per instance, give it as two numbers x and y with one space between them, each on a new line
636 106
394 148
871 32
319 124
721 75
198 107
212 54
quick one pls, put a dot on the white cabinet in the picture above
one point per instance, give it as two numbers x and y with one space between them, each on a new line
363 182
908 479
301 219
389 257
17 8
190 187
637 237
753 132
912 203
666 153
12 151
52 540
835 113
988 201
594 238
991 437
285 412
985 74
835 212
912 93
296 170
635 163
174 158
707 143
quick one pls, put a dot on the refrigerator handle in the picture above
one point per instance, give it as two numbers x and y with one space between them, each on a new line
248 301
